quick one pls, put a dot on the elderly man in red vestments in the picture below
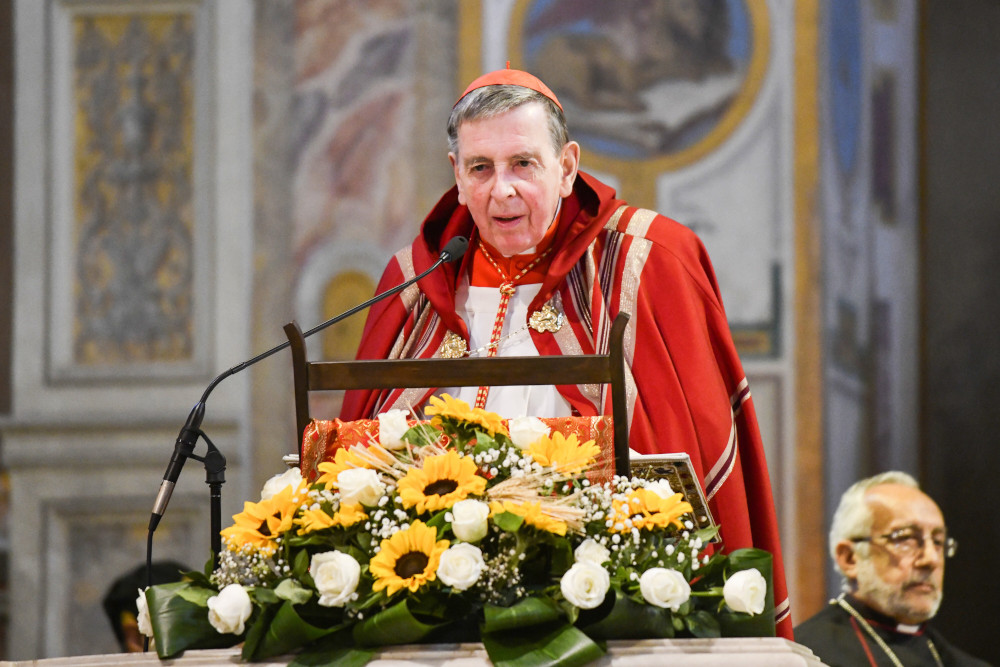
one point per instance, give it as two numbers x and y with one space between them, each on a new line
555 257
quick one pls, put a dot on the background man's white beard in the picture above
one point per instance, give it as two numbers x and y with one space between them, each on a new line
888 598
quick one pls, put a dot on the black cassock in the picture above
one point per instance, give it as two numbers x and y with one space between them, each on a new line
839 641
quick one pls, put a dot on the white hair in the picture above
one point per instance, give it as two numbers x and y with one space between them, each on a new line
853 517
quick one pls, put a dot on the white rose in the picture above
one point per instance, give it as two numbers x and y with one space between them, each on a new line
664 587
336 575
591 551
746 591
291 477
469 519
460 566
585 585
229 610
391 427
525 431
145 625
661 487
360 485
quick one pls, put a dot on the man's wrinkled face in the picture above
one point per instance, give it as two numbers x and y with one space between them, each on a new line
902 578
511 177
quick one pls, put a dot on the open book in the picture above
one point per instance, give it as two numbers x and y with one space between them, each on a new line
676 469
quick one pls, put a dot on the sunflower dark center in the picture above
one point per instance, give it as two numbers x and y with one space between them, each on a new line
264 529
410 564
440 487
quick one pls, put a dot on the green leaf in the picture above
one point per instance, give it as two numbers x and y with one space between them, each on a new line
293 591
180 624
421 434
508 521
286 632
562 557
551 645
264 596
706 534
632 620
201 579
333 656
258 630
392 625
528 612
701 624
484 442
300 567
438 521
197 595
735 624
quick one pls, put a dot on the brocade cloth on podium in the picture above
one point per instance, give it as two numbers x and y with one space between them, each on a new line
323 438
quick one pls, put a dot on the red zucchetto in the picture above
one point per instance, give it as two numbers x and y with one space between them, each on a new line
511 77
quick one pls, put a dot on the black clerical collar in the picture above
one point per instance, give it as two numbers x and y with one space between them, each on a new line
882 621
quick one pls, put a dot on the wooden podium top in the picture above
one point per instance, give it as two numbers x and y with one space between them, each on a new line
749 652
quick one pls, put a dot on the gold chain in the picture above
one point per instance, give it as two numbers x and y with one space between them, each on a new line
503 276
506 292
878 640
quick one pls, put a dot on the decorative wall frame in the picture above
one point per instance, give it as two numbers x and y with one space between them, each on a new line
130 240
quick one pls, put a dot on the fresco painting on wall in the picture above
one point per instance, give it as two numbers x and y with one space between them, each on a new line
651 87
646 80
133 201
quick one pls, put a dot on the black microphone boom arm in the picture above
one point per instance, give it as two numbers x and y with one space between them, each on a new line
188 436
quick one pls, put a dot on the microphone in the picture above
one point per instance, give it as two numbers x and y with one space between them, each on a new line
188 436
454 249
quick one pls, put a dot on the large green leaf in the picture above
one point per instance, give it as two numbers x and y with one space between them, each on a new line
631 620
180 624
532 611
551 645
283 633
702 624
392 625
334 656
734 624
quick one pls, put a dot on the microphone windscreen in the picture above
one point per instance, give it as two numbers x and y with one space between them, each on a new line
455 248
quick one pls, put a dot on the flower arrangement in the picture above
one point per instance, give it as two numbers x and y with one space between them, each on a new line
464 528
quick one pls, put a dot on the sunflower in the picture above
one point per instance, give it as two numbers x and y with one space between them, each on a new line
532 514
342 460
648 510
566 455
446 407
313 520
409 559
349 514
440 483
259 524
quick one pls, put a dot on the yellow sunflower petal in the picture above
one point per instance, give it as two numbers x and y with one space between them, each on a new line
447 407
342 460
441 482
313 520
564 454
409 559
349 514
533 515
647 510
